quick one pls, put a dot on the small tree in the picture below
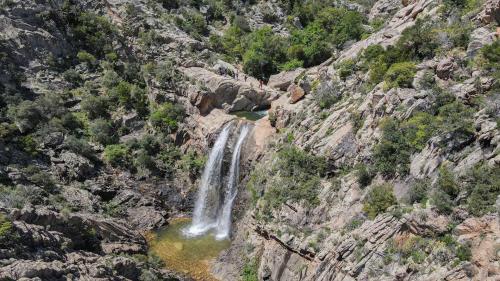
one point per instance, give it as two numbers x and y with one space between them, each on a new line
446 182
116 155
167 116
378 200
400 75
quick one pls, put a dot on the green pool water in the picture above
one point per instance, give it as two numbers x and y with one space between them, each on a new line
191 256
251 115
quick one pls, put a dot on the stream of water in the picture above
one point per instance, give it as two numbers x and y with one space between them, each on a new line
215 199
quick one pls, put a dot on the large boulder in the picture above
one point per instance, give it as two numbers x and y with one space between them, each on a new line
490 12
70 166
283 80
479 38
445 68
296 93
227 93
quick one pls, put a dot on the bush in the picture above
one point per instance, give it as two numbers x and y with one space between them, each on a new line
346 68
167 116
378 200
400 75
491 57
110 79
418 191
8 235
419 41
483 184
121 93
192 163
79 146
392 153
442 202
327 94
86 57
102 131
419 129
73 77
40 178
250 271
264 53
95 106
446 182
291 65
193 23
116 155
364 175
93 32
293 177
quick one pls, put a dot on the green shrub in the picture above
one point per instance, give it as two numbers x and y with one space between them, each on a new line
73 77
85 57
144 162
392 153
167 116
8 235
102 131
364 175
79 146
419 129
442 202
193 23
418 42
167 159
116 155
327 94
293 161
346 68
192 163
166 74
400 75
378 200
264 53
291 65
110 79
40 178
121 93
29 145
95 106
294 176
94 33
250 271
483 184
446 182
418 191
491 56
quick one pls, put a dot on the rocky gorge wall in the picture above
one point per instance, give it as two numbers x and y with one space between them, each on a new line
94 147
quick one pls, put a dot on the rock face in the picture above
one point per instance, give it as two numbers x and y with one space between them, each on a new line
335 240
69 211
94 248
228 93
283 80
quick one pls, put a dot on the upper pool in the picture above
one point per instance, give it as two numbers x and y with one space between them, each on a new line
251 115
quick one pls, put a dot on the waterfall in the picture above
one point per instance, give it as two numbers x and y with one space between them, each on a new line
224 220
207 203
213 205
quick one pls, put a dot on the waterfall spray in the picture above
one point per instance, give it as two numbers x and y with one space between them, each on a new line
213 204
224 220
207 202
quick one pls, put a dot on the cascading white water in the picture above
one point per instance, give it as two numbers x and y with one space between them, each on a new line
207 204
224 220
208 212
